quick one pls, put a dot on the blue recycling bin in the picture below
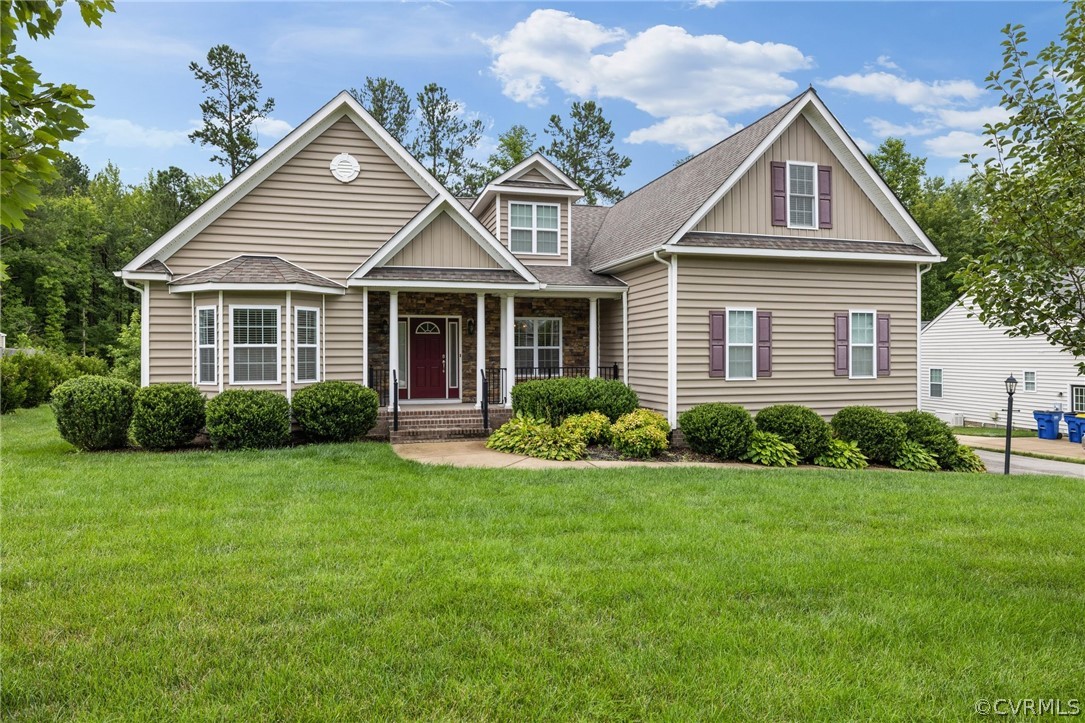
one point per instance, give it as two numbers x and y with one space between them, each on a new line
1047 424
1075 425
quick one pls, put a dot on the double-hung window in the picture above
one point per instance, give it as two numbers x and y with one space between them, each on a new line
1077 399
862 342
801 195
533 228
206 345
254 345
307 344
1030 381
935 383
741 340
538 344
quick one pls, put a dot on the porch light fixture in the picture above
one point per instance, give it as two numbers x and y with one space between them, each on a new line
1011 387
471 326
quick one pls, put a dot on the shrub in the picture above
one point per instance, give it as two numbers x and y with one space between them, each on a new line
771 450
912 456
167 416
964 459
248 419
641 433
879 434
932 433
336 411
801 426
12 385
93 412
593 427
536 438
721 430
555 399
841 454
38 374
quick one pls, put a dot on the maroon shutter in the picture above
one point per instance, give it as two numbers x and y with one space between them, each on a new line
841 320
717 344
883 345
779 193
764 343
825 197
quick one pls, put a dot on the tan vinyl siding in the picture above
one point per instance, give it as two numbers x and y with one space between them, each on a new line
345 337
443 243
747 207
648 333
302 213
562 257
170 337
803 297
610 332
489 218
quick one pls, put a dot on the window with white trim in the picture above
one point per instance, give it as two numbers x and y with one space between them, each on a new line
741 340
206 345
935 379
533 228
254 345
1029 381
537 343
862 340
801 195
404 370
307 344
1077 399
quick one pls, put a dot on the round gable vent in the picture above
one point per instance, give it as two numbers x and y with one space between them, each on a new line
344 167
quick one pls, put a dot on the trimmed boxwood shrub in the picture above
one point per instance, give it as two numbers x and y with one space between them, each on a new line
932 433
721 430
642 433
536 438
248 419
555 399
167 416
93 412
335 411
878 433
801 426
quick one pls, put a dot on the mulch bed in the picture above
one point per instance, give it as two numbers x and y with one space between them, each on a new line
606 454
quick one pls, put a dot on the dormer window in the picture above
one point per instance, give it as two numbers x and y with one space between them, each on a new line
533 228
801 195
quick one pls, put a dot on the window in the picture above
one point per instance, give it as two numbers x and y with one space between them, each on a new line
1030 381
862 345
403 370
206 345
1077 399
936 383
538 343
801 195
254 345
453 354
307 346
533 228
740 343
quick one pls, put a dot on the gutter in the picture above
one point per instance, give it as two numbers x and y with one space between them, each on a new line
920 270
144 329
672 336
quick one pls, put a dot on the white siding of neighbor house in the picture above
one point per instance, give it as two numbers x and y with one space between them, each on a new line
975 361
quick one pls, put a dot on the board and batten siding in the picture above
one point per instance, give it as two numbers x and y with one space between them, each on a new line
803 298
747 207
648 333
562 257
534 175
443 244
975 361
303 214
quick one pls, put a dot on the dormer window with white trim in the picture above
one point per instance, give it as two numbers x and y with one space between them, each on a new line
802 195
533 228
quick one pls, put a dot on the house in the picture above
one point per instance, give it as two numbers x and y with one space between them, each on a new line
965 364
775 266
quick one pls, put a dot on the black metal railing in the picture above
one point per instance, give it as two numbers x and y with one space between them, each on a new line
606 372
494 392
395 401
378 382
485 399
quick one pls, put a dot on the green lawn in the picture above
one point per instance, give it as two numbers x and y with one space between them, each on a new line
340 582
992 432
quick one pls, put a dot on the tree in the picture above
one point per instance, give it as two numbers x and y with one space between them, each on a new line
37 116
388 103
444 139
231 106
584 149
1029 274
513 146
168 196
902 172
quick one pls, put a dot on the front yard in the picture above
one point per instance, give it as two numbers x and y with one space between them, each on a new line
341 582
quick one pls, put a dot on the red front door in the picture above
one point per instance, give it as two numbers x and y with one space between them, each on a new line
427 364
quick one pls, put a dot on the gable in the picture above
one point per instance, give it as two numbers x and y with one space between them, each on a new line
443 244
303 214
747 206
534 175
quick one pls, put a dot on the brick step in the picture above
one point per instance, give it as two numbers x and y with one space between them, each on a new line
434 435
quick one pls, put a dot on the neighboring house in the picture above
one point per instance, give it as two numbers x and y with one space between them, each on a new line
774 267
965 365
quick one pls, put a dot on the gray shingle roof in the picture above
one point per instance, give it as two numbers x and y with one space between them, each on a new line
796 243
652 214
572 276
256 270
410 273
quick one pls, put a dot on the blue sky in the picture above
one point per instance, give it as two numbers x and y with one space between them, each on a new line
673 77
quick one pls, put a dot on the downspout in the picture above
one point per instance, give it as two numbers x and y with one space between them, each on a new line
672 338
144 330
920 270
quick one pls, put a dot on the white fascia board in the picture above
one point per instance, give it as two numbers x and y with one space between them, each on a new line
803 254
456 286
214 286
960 302
142 275
580 291
554 173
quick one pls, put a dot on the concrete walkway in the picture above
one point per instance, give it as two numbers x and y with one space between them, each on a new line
995 462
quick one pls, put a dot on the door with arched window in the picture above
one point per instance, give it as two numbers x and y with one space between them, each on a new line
428 359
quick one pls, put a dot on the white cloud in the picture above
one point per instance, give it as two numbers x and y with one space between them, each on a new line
123 133
885 62
883 128
955 144
271 128
864 145
692 133
916 94
707 3
973 119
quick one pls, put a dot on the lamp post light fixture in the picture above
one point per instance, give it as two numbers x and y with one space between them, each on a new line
1011 387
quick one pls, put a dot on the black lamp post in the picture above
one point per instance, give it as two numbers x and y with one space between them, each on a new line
1011 387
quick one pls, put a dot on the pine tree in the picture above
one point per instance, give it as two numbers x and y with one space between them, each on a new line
388 103
584 149
445 138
